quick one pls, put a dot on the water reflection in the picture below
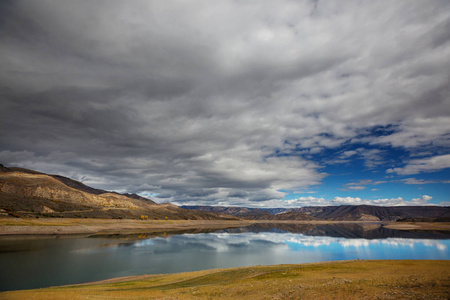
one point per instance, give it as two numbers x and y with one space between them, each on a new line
33 263
345 230
225 242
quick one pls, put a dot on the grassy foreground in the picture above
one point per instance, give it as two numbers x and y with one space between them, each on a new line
383 279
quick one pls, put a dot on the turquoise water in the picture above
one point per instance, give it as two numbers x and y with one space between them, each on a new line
41 262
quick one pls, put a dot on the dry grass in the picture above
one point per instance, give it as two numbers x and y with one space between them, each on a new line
91 221
76 221
10 225
17 226
443 226
336 280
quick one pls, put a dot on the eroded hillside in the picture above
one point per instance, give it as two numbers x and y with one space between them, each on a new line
33 194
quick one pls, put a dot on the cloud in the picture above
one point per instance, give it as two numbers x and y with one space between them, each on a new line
361 182
423 165
422 181
361 185
314 201
372 157
421 201
277 242
219 102
356 187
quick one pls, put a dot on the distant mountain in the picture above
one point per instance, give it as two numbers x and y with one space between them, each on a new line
254 213
241 212
337 213
28 193
289 215
377 213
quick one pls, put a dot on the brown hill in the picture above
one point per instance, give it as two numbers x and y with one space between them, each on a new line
337 213
376 213
29 193
254 213
240 212
292 215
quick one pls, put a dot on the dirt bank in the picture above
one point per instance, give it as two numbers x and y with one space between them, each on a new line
13 226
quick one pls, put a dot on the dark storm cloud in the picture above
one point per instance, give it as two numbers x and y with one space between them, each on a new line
190 100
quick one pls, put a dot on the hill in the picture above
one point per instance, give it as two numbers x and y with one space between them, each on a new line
337 213
378 213
254 213
28 193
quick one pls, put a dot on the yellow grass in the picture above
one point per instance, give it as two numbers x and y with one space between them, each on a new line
90 221
14 226
407 279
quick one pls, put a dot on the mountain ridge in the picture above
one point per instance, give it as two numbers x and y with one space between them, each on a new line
28 193
338 213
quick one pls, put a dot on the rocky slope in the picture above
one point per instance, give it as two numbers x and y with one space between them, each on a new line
29 193
254 213
378 213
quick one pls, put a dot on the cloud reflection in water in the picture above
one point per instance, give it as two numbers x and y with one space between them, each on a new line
328 248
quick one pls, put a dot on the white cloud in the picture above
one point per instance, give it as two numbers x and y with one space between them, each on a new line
423 165
348 201
356 187
222 241
421 201
361 184
372 157
313 201
379 182
422 181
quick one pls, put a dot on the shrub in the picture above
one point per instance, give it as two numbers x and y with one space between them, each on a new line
14 215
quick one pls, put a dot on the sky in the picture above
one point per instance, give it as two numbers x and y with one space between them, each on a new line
240 103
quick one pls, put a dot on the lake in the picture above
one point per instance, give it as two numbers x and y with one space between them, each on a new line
34 262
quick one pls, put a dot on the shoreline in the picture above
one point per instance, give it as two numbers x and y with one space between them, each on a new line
69 226
66 226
